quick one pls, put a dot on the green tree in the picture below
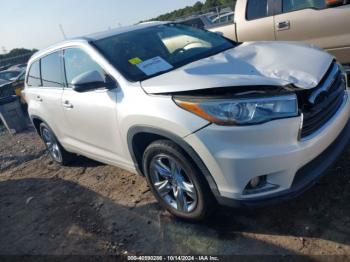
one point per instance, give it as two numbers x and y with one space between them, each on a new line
197 8
17 52
212 3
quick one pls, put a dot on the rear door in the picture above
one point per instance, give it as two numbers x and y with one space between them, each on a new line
45 88
313 22
256 23
91 117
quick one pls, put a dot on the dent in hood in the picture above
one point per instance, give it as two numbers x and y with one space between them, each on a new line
250 64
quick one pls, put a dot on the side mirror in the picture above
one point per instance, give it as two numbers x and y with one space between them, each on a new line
333 3
88 81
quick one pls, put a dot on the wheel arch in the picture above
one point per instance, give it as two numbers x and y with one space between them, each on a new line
139 137
36 120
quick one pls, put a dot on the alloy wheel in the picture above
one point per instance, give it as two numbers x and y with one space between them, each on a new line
172 183
52 145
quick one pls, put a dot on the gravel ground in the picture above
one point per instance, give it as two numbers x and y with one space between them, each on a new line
92 208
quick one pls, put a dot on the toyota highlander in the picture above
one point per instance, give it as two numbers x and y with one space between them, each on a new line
204 119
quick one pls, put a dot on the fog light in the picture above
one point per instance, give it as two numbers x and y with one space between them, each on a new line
258 185
254 182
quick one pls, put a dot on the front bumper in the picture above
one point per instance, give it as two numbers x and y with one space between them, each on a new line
305 178
235 155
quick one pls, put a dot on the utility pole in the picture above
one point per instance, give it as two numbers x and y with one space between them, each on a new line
62 31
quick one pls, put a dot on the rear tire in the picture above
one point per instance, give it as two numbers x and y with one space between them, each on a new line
176 183
55 149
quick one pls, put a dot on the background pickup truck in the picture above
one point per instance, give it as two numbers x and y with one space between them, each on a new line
325 23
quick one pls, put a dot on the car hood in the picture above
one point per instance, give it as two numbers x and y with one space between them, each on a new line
249 64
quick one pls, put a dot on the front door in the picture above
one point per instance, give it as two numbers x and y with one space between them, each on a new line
313 22
91 117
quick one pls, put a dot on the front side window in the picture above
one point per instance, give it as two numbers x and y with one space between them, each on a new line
294 5
34 77
78 62
51 72
144 53
257 9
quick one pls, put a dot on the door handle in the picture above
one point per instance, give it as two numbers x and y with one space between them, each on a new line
67 104
283 25
38 98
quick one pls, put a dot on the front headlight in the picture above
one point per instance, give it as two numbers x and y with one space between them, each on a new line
243 111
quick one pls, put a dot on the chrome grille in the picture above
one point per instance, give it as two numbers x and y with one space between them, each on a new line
324 101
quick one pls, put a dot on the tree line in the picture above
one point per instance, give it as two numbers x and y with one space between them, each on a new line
17 52
198 7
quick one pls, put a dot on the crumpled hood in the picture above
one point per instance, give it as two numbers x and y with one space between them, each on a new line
255 63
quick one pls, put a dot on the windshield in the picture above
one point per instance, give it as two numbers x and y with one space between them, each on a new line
145 53
8 75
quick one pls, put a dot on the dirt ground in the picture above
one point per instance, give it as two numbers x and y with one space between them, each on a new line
92 208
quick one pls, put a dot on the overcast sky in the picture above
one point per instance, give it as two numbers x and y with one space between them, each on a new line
35 23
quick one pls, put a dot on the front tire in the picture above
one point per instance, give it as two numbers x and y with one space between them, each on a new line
55 149
176 182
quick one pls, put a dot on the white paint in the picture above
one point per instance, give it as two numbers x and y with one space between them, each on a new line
260 63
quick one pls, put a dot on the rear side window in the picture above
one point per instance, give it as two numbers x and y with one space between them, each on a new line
294 5
78 62
34 78
51 72
257 9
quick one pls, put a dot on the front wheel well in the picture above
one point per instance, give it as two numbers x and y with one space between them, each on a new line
37 123
140 137
140 142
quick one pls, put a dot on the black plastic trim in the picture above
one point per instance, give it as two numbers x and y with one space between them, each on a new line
35 117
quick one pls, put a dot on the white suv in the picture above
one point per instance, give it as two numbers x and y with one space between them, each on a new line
204 119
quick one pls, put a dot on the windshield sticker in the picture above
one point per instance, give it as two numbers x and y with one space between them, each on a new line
135 61
154 65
